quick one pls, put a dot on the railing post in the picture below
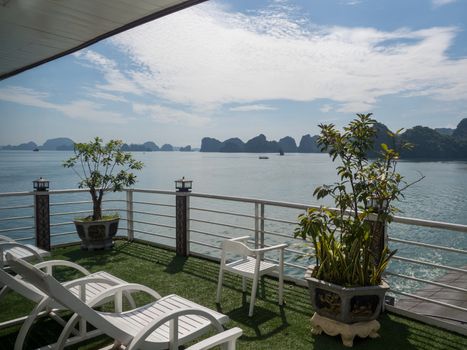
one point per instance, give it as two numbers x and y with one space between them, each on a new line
182 217
42 213
262 226
129 215
256 225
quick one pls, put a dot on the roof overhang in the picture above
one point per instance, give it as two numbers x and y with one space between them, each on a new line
33 32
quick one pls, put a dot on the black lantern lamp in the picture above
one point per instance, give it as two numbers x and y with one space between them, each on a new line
378 204
183 185
40 185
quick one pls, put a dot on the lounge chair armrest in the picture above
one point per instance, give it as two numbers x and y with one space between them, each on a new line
274 247
225 337
48 265
119 289
172 317
86 280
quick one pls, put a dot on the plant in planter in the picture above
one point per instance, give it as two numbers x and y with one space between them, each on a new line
101 168
348 243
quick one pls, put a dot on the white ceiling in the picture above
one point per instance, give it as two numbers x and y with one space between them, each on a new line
33 32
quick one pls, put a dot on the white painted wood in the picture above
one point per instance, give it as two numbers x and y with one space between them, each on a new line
97 283
157 325
228 337
250 265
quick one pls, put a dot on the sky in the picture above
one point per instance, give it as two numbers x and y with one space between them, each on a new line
239 68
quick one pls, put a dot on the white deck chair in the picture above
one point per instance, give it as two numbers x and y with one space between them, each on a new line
23 251
100 282
164 324
250 265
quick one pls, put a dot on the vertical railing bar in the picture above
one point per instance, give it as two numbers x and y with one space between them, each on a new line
262 226
129 214
256 225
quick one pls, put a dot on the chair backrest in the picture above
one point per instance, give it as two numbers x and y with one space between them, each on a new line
22 287
51 287
236 247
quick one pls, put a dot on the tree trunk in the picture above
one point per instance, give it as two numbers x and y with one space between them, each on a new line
97 208
378 240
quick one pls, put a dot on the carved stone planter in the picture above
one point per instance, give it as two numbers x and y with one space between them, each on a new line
346 305
96 234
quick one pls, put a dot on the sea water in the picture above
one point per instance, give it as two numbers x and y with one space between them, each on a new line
440 196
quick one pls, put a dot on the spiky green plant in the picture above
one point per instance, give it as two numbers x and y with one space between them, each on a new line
345 240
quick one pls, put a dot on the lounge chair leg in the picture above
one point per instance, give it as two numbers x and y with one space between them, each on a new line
23 332
243 283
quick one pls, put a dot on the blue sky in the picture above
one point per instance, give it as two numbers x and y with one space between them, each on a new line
240 68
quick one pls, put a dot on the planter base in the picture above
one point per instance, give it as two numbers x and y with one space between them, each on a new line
321 324
96 235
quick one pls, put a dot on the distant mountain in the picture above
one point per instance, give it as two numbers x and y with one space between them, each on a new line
309 144
445 131
260 144
148 146
287 145
461 131
29 146
209 144
185 149
58 144
233 145
167 148
430 144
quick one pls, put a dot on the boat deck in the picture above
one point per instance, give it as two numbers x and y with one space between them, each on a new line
272 327
442 294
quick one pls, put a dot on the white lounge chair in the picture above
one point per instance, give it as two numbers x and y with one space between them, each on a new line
23 251
251 265
164 324
97 283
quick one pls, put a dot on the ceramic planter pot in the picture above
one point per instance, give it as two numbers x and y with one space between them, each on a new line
96 234
347 305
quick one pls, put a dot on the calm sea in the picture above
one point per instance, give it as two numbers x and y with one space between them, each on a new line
441 196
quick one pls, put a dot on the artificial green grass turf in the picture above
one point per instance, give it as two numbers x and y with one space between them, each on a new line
272 327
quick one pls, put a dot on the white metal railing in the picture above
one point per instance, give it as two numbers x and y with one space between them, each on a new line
150 216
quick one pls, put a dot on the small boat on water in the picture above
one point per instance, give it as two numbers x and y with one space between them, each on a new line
35 150
281 152
263 157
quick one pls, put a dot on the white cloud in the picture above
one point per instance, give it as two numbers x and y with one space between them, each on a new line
80 109
251 108
206 56
353 2
326 108
117 81
166 115
439 3
106 96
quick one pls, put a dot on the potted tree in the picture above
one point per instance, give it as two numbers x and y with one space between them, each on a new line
348 243
101 168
